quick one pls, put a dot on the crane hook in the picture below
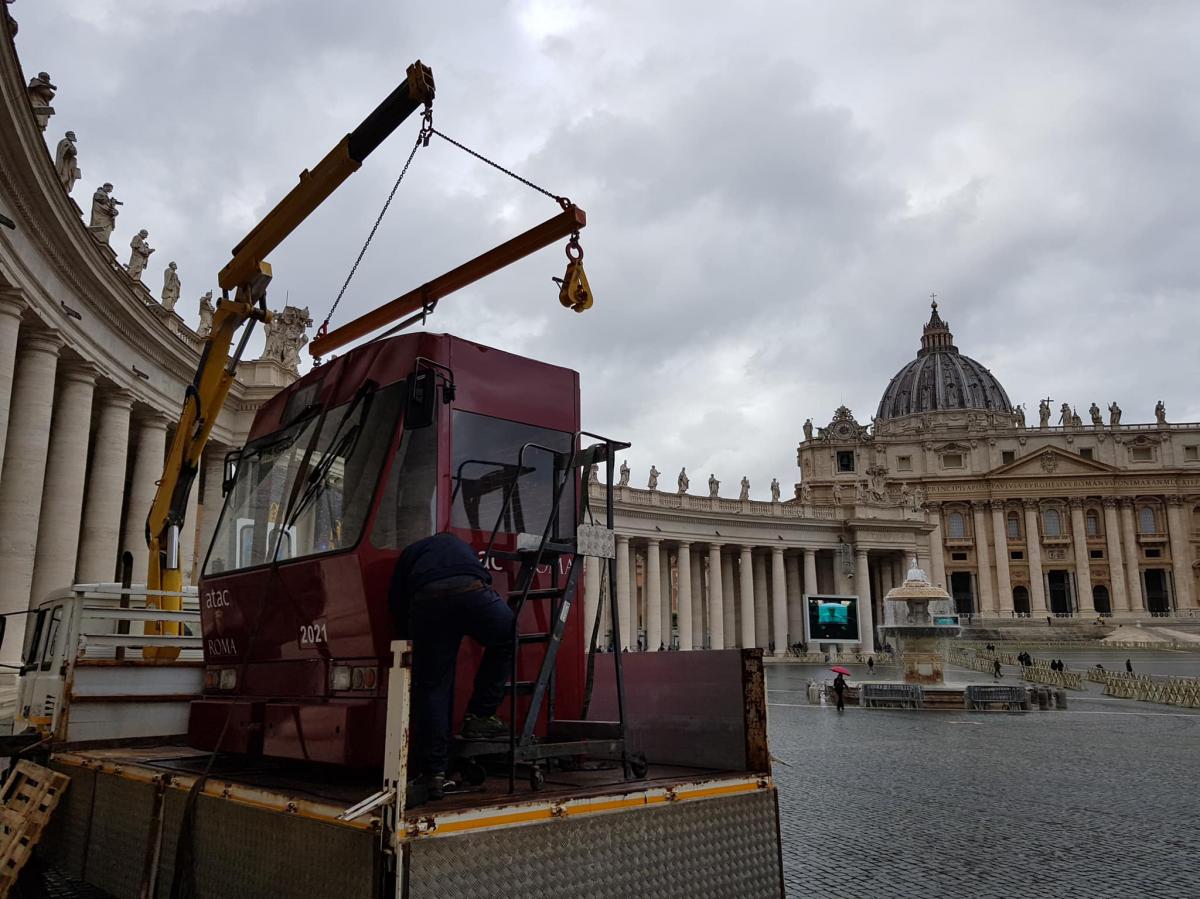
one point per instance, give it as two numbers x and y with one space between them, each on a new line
573 289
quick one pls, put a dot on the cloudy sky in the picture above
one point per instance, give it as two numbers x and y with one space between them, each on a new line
773 189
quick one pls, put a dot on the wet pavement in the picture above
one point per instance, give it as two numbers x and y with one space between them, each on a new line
1099 800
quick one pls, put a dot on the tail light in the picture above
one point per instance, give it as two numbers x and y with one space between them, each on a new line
220 678
353 677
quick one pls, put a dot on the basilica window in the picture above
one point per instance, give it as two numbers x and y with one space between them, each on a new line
1191 453
1052 523
904 463
956 526
845 460
1007 457
1014 526
1085 452
952 460
1141 453
1092 520
1146 521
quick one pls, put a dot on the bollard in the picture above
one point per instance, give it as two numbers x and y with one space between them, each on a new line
1043 699
814 693
1060 698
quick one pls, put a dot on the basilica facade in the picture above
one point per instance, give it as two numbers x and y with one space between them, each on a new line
1014 518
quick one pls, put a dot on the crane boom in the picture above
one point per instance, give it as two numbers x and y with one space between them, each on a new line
247 276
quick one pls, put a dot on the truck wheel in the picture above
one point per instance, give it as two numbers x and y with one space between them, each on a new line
473 772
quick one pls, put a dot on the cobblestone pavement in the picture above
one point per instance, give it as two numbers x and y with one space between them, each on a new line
1097 801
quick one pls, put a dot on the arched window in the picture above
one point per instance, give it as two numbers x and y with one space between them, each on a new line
1052 523
1021 600
956 526
1146 523
1014 526
1092 521
1100 600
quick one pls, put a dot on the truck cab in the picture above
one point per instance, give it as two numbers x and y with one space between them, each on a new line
85 676
393 441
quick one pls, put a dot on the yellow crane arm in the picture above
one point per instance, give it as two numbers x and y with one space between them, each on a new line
247 276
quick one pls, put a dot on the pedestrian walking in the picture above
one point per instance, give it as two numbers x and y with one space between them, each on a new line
839 688
996 672
871 664
1128 667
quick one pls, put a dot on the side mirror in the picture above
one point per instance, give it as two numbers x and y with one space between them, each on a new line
419 409
230 473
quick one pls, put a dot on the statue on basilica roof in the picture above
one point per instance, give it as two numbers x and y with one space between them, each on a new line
745 494
41 92
140 254
1064 416
654 473
714 486
66 157
206 316
683 480
808 429
170 290
1097 419
1160 413
104 212
1044 413
624 477
1020 416
1114 414
774 490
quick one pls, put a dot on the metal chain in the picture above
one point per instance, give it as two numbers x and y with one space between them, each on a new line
561 201
422 140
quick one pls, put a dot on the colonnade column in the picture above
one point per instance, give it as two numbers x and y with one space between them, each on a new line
1181 561
66 473
210 505
100 541
746 597
779 603
762 612
795 602
700 623
983 559
684 602
623 589
1133 567
653 578
24 474
664 609
731 599
810 579
150 447
716 598
1116 565
1033 547
11 307
591 598
937 551
1004 604
866 614
1083 568
190 533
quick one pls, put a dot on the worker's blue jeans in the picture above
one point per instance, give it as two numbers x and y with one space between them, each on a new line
438 626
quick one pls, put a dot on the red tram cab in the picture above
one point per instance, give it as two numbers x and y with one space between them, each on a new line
391 442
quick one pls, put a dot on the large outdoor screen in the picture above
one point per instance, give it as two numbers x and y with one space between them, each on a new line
832 619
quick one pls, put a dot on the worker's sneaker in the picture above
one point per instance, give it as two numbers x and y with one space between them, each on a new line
428 788
479 728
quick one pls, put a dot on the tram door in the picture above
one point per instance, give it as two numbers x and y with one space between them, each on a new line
1158 600
1059 583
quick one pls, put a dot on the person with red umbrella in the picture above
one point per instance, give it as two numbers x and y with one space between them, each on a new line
839 686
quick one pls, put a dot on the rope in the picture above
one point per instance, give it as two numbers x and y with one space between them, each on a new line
561 201
375 227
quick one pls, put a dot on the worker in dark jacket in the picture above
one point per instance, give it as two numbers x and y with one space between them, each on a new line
440 592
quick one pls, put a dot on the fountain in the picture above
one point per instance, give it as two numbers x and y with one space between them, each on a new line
919 619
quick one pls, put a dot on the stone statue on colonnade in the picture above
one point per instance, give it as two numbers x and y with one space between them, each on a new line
41 92
808 429
624 481
1097 420
206 315
745 494
1044 413
104 212
683 480
1160 412
1114 414
652 484
774 490
66 158
140 255
714 486
170 291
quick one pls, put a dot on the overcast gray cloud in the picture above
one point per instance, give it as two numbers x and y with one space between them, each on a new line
772 189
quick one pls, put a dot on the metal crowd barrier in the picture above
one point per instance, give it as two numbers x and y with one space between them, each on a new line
893 696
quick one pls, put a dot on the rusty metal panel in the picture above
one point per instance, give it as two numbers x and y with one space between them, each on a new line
703 849
242 851
703 709
120 832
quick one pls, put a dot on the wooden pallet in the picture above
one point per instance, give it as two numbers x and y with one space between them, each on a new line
27 800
